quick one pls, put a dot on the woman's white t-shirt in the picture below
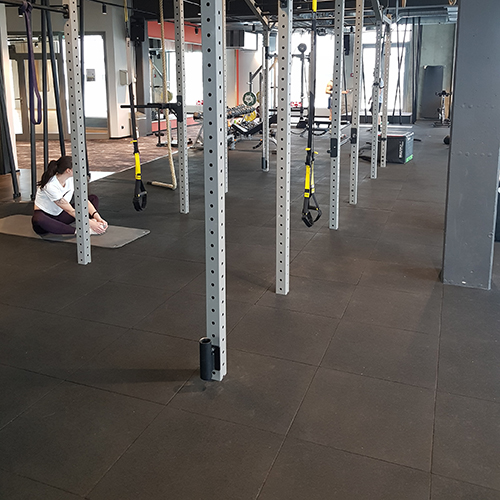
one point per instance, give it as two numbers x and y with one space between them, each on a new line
54 191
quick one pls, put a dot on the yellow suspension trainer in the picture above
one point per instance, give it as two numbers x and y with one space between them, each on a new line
310 202
140 199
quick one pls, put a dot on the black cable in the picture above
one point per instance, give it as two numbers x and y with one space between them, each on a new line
364 86
55 83
7 151
45 110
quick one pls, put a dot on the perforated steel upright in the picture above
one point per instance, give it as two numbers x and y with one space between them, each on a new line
336 107
387 61
356 69
285 18
224 94
77 127
181 91
214 120
375 100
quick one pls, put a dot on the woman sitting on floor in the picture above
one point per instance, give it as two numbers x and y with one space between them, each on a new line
53 211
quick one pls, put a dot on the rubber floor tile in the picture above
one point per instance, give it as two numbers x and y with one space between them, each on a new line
311 296
466 440
184 316
143 365
449 489
341 269
161 273
386 353
187 456
470 367
258 391
72 436
55 346
370 417
20 390
407 278
307 470
471 313
59 290
284 334
14 487
118 304
407 311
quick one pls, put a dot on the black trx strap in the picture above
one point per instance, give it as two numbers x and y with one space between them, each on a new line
401 51
55 82
310 202
140 199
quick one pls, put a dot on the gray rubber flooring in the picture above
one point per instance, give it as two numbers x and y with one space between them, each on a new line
370 380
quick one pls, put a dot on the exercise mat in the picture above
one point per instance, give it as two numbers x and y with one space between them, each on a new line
114 237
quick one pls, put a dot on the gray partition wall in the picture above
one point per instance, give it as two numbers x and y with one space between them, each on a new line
475 148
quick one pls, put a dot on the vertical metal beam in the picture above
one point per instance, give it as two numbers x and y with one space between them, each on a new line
181 92
336 107
387 61
357 60
285 19
475 149
264 99
214 121
375 100
224 58
78 149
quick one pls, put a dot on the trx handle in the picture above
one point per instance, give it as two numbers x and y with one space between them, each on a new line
310 201
140 199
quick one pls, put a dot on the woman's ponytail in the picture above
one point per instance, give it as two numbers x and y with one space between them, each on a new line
55 167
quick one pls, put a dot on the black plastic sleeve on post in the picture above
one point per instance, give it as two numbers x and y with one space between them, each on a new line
334 147
206 359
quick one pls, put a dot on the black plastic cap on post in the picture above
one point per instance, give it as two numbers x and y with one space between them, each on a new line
206 359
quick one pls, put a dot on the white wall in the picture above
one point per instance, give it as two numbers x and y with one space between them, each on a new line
112 25
438 42
9 84
249 60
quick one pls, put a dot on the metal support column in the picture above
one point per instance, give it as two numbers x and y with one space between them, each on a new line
475 149
181 92
336 107
356 69
264 99
224 59
375 100
387 61
214 120
78 149
285 19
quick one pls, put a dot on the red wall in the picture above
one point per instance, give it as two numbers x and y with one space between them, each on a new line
154 31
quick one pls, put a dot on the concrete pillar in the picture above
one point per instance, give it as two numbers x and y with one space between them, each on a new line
475 148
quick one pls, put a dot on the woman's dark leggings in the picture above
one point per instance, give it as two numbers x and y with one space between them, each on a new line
44 223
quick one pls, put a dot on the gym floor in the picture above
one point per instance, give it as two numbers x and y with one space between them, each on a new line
370 380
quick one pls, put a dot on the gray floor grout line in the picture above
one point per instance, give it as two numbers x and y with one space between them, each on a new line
41 482
300 406
164 406
436 392
19 415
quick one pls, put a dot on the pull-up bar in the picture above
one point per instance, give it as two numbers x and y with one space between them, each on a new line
64 10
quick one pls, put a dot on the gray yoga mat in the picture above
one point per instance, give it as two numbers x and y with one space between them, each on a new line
114 237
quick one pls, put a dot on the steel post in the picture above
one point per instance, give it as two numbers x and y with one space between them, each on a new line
214 121
78 150
284 41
